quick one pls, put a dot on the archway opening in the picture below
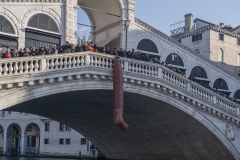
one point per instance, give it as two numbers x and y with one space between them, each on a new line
237 95
14 136
221 86
199 75
175 62
7 34
147 46
32 141
42 31
106 21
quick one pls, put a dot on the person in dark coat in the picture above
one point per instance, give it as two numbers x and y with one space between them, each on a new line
84 46
108 51
120 53
41 51
33 52
15 53
79 47
20 53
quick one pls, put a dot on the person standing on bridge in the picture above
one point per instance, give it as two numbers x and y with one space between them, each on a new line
90 47
8 54
79 47
1 52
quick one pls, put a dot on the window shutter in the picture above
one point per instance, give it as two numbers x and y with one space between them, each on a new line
44 22
193 38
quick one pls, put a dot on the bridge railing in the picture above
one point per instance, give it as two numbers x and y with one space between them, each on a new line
48 63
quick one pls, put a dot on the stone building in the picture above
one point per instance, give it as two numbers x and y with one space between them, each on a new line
24 134
219 43
43 23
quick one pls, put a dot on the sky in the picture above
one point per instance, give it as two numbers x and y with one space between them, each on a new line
161 13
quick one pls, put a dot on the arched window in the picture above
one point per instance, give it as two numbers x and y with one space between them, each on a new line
174 59
237 94
199 72
44 22
220 55
197 51
6 26
147 45
220 84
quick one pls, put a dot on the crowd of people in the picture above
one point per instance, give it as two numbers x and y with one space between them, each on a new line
81 47
206 85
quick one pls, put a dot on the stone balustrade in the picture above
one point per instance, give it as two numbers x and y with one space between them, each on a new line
154 75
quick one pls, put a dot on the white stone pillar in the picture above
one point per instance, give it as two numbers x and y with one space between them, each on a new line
43 64
125 65
37 143
71 21
188 86
23 137
4 143
41 136
159 72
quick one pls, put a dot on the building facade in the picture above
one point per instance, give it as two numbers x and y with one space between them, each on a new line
43 23
219 43
23 134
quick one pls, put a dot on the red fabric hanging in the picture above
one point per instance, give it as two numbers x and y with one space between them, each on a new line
118 95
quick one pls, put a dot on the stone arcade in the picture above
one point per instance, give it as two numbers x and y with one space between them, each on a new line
168 115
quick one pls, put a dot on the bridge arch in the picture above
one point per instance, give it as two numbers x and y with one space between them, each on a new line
236 94
45 11
180 53
175 59
106 28
87 84
221 83
197 63
142 36
14 128
199 72
12 19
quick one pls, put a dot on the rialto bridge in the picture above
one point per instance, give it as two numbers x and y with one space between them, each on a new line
169 116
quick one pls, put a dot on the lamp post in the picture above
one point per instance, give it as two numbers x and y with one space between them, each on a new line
126 24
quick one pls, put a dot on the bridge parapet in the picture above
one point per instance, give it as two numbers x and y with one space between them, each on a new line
30 71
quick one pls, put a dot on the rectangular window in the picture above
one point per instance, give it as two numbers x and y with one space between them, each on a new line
238 41
67 141
221 37
61 141
83 141
46 126
180 40
197 37
68 128
46 141
61 127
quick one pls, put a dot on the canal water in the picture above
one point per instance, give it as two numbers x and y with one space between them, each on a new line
36 158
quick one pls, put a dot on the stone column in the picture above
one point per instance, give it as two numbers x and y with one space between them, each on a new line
130 14
23 137
71 21
37 143
4 143
41 136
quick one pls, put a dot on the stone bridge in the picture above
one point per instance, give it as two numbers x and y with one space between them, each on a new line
169 116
